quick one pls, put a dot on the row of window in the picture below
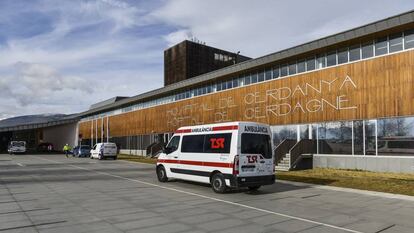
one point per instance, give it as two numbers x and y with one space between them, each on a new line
388 137
380 46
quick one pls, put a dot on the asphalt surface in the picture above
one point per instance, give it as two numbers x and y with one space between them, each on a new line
51 193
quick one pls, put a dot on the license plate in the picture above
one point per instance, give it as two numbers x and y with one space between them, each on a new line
248 169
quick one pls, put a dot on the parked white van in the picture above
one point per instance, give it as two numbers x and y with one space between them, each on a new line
17 147
104 150
225 155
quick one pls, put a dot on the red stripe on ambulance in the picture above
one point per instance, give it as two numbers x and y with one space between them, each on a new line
196 163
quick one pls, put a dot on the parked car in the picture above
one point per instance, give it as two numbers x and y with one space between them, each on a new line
226 155
104 150
45 147
17 147
82 151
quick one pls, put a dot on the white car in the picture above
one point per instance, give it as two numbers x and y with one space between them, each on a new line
234 154
104 150
16 147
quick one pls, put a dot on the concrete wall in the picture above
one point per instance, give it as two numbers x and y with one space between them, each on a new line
400 164
60 135
133 152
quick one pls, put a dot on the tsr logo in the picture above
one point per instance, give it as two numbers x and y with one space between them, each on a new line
217 143
251 158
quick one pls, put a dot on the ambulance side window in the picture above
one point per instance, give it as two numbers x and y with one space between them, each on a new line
173 144
217 143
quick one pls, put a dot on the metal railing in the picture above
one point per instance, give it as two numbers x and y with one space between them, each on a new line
283 148
304 146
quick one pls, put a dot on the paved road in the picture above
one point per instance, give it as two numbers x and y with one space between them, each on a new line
50 193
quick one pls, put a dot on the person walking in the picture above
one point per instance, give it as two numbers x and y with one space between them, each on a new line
66 150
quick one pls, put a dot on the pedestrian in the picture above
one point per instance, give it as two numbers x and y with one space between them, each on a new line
66 150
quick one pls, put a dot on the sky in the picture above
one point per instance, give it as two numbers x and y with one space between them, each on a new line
61 56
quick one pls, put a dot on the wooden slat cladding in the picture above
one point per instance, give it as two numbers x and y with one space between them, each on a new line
379 87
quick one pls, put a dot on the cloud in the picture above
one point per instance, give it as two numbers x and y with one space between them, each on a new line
40 83
257 28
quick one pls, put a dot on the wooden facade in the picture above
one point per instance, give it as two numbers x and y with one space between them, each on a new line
373 88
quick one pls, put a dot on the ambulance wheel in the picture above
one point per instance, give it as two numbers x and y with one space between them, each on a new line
218 183
161 174
254 188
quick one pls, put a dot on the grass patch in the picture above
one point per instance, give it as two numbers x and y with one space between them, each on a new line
374 181
135 158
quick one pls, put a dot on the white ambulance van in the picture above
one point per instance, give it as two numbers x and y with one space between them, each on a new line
225 155
104 150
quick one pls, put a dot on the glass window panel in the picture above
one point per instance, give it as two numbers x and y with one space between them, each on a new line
254 78
229 84
247 79
301 66
304 131
276 72
283 70
292 68
241 81
370 147
409 39
218 87
261 77
310 64
321 62
268 74
209 89
331 59
335 138
235 82
367 50
342 56
381 46
223 86
396 136
395 42
358 138
281 133
354 53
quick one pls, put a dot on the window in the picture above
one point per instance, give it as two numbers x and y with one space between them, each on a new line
261 77
193 144
276 71
409 39
247 80
173 144
321 62
256 144
218 87
217 143
223 86
301 66
343 56
235 82
209 89
254 78
229 84
367 50
281 133
292 68
381 46
268 74
354 53
310 64
283 70
396 43
331 59
398 133
335 138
